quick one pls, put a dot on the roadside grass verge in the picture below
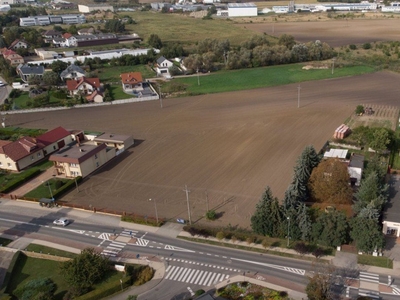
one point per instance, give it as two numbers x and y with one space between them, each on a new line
245 79
377 261
43 190
48 250
4 242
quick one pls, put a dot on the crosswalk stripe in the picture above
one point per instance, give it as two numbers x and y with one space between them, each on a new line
205 276
173 273
192 272
118 243
211 279
111 247
198 277
396 291
182 275
169 267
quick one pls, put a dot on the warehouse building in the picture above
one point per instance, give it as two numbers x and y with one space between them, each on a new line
52 19
242 10
94 7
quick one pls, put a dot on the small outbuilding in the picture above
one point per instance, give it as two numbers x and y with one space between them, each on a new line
242 10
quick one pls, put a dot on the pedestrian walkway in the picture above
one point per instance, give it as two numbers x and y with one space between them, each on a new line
113 249
369 277
194 276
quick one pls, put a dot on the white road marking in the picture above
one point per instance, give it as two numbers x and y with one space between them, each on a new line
283 268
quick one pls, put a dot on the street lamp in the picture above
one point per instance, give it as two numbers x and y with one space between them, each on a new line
288 228
155 206
51 193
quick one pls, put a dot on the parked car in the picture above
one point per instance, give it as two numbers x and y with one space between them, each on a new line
2 83
61 222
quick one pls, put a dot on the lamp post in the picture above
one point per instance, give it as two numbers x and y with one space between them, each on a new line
333 64
198 78
155 206
288 228
298 96
51 193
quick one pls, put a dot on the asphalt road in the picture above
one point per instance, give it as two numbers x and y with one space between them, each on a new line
190 266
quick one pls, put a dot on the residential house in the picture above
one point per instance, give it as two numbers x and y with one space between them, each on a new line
44 54
18 44
391 212
72 72
163 66
26 71
13 58
85 87
118 141
67 40
22 153
81 159
55 139
132 81
96 96
49 35
355 168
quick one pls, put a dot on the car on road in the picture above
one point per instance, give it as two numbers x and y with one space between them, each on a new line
2 83
61 222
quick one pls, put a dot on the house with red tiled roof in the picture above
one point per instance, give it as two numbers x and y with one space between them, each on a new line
132 81
55 139
86 87
18 155
13 59
18 44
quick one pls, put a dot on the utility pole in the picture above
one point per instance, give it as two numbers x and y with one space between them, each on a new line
298 96
333 65
188 205
76 184
198 78
159 91
288 231
208 209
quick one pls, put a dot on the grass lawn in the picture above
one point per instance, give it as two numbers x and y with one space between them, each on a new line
28 268
49 250
245 79
20 101
378 261
111 74
4 242
9 131
189 29
118 92
43 190
6 177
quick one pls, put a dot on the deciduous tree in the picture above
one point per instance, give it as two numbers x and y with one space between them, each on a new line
155 41
329 183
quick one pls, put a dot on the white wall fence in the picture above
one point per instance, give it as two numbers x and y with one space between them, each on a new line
33 110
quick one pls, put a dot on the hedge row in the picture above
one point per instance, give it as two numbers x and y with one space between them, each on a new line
10 270
239 233
142 220
106 289
17 181
66 187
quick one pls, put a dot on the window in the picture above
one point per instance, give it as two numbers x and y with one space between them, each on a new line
32 158
1 163
73 165
6 156
95 156
39 154
8 164
54 147
97 164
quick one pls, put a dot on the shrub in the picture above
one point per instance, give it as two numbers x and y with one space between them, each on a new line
16 182
366 46
301 248
199 292
353 47
144 275
220 236
211 215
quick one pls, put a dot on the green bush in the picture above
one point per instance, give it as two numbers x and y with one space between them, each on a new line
59 94
199 292
144 275
16 182
66 187
141 220
211 215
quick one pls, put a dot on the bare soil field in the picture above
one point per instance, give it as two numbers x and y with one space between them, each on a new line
229 146
334 32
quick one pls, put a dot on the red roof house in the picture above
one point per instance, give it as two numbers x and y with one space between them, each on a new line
131 81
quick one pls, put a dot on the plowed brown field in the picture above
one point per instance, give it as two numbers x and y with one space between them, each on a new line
334 32
231 145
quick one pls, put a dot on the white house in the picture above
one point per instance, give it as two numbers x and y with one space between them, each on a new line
355 168
72 72
163 66
86 9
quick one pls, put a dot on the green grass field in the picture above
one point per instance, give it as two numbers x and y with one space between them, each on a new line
118 93
111 74
378 261
43 190
186 29
48 250
246 79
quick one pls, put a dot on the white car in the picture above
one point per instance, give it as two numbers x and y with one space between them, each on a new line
61 221
2 83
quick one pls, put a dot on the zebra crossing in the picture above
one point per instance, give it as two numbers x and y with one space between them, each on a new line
368 293
113 249
194 276
396 290
129 233
370 277
200 264
105 236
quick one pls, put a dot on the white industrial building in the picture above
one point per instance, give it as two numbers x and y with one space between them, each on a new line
5 7
94 7
242 10
394 7
52 19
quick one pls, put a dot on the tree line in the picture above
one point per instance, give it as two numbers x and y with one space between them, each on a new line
327 181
